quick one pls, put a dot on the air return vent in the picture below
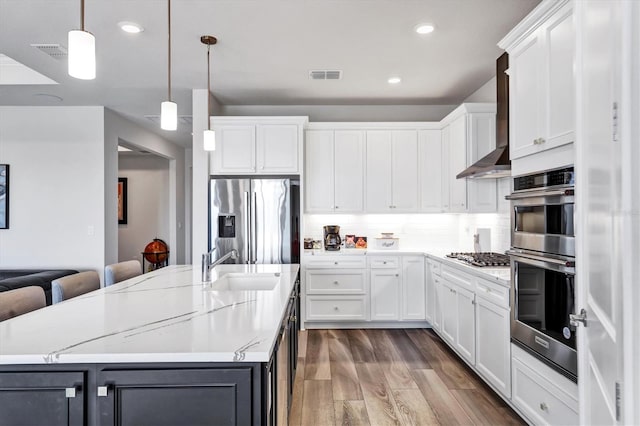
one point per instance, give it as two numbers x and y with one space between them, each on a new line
186 120
325 75
56 51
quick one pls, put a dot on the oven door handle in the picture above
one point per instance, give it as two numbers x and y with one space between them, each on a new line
559 262
558 192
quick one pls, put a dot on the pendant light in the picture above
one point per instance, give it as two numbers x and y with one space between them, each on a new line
169 109
209 135
82 51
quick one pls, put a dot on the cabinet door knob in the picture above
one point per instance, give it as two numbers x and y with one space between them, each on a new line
103 390
70 392
384 263
336 283
397 275
335 308
335 263
544 407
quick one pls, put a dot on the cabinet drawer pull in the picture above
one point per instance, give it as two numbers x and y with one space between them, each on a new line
103 390
70 392
336 283
544 407
293 318
335 308
335 263
384 263
397 275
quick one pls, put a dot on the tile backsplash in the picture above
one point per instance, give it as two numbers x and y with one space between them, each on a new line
441 232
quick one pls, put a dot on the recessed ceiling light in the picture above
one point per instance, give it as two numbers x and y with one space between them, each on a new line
394 80
130 27
424 28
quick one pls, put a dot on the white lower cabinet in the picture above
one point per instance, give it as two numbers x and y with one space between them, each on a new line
466 326
472 315
543 395
493 352
413 288
385 294
336 308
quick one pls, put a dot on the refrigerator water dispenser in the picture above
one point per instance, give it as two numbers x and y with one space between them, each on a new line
226 226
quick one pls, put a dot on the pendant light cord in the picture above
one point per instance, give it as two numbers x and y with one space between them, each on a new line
169 46
82 15
208 87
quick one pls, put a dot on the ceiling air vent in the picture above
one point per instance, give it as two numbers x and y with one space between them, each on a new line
56 51
325 75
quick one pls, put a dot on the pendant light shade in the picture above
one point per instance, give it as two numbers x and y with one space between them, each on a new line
82 51
169 109
209 135
169 115
209 140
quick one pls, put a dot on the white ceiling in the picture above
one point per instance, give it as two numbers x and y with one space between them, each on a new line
264 53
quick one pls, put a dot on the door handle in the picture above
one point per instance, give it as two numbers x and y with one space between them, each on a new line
254 239
577 319
247 234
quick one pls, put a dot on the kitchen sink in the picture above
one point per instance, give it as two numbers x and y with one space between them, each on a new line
246 282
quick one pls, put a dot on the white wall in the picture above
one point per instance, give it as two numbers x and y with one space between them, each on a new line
337 113
486 93
57 187
147 204
116 129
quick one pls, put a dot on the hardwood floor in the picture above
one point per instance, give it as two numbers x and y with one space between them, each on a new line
389 377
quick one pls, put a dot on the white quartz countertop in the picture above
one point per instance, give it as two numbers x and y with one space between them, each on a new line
167 315
500 274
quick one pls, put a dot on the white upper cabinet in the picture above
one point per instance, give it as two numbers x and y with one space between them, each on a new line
235 149
318 171
392 171
349 171
541 81
431 170
457 163
334 171
257 145
277 148
482 193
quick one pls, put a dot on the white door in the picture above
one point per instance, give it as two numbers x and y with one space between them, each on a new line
413 288
404 181
277 148
385 294
349 171
430 152
378 164
598 188
318 171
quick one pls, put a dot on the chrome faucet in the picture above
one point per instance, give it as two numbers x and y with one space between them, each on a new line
208 264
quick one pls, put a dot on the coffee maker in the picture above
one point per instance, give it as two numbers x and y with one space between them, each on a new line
332 238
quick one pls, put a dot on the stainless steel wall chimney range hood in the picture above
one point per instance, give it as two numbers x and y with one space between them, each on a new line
496 164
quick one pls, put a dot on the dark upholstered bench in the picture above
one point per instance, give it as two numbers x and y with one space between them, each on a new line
16 278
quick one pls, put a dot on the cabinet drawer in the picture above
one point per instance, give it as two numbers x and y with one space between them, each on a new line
541 400
458 277
384 262
434 267
320 281
347 261
492 292
336 308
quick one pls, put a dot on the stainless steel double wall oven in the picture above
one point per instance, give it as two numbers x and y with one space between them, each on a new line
543 267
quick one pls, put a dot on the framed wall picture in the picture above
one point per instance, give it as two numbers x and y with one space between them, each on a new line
122 201
4 196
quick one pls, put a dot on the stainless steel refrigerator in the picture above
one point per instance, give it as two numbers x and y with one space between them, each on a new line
257 217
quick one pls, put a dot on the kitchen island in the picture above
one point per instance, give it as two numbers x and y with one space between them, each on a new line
160 348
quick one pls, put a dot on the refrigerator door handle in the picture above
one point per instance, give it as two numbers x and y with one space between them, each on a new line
254 240
247 207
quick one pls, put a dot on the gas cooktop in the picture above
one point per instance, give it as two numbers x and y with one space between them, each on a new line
482 258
